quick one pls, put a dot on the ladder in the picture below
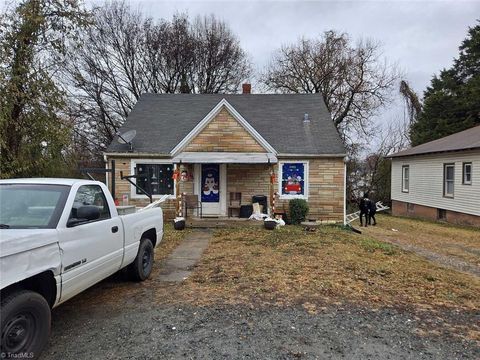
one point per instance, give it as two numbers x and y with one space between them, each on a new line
356 215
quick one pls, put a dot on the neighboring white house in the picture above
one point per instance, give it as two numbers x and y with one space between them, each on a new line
439 180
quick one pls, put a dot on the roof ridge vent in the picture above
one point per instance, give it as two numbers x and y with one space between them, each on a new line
306 118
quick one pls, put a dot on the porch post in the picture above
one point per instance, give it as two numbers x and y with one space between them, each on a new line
272 194
178 199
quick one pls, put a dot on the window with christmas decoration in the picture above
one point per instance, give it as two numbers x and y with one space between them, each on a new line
293 179
157 179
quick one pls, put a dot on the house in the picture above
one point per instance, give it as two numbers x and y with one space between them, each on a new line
439 180
224 147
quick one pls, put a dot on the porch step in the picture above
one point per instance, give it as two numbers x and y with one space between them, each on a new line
209 223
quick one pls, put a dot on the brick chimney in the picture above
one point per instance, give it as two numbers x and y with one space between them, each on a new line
246 88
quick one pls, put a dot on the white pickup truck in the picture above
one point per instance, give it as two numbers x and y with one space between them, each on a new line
57 238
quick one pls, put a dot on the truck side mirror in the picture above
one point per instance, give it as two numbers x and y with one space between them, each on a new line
84 214
89 212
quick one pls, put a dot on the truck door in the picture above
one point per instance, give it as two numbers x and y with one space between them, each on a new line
91 250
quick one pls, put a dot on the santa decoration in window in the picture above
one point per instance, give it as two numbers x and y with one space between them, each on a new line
293 186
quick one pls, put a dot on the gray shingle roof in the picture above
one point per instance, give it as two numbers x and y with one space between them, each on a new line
463 140
163 120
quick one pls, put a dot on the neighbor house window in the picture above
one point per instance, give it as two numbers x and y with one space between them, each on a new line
448 179
293 179
155 178
467 173
405 178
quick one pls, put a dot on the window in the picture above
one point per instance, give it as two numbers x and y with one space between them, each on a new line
91 195
405 178
467 173
31 206
448 179
157 179
293 180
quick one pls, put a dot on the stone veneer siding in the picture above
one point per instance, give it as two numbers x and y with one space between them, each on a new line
326 186
401 208
224 134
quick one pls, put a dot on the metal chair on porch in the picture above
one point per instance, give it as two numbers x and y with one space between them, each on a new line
191 202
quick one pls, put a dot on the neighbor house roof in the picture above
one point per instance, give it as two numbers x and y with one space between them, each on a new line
163 120
464 140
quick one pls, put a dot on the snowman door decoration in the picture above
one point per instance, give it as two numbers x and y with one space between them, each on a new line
210 186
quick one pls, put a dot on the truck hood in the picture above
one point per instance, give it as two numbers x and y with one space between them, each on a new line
14 241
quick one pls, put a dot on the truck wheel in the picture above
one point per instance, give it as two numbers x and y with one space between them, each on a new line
25 324
143 263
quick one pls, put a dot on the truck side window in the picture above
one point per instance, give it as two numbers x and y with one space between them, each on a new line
91 195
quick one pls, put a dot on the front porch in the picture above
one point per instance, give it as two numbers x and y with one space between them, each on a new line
216 192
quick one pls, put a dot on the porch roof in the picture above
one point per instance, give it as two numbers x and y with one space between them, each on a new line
225 158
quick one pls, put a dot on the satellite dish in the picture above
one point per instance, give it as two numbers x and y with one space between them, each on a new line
127 137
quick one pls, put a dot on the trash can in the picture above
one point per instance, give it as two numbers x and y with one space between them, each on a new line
246 211
262 200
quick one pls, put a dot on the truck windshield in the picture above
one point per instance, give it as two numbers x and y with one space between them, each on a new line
27 206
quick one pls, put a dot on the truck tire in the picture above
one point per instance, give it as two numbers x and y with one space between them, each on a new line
25 319
141 267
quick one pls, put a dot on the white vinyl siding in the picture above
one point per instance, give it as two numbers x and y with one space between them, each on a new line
426 181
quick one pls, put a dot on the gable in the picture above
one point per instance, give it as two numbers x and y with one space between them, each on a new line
224 134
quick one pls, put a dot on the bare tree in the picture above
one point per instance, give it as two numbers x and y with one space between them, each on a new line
126 54
220 64
354 80
372 173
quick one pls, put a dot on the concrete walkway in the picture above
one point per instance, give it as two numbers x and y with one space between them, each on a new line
179 265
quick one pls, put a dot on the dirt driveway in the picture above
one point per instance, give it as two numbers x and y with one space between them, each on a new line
162 320
451 246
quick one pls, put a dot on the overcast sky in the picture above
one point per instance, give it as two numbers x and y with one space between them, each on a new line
422 37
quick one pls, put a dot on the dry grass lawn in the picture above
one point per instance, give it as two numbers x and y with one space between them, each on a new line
460 242
291 266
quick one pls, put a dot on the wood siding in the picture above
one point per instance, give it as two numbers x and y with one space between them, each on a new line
426 181
224 134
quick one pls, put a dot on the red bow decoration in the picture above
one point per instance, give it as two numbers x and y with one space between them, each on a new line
176 174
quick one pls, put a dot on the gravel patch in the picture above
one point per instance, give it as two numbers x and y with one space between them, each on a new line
139 329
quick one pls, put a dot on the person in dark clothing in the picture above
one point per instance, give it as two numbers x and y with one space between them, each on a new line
364 209
371 213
